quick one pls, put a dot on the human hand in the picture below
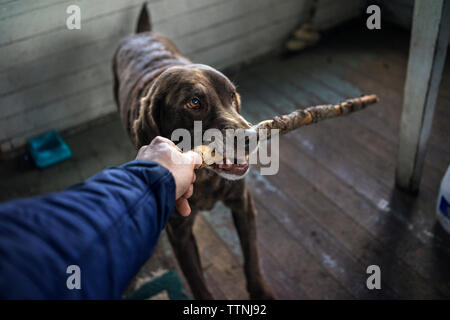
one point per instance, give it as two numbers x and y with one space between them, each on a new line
181 165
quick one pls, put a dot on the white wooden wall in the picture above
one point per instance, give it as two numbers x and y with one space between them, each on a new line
55 78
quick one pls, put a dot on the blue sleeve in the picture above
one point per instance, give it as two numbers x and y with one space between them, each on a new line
108 226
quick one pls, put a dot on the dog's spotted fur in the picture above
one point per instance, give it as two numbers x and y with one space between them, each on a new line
152 82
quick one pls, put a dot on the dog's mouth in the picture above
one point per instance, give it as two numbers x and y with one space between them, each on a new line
234 167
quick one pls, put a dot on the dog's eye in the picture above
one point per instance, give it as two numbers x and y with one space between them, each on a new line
194 103
232 95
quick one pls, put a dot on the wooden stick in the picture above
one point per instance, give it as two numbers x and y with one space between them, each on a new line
303 117
295 120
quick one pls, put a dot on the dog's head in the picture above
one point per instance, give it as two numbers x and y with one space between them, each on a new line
188 93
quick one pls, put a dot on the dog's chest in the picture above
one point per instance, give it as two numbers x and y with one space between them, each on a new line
210 188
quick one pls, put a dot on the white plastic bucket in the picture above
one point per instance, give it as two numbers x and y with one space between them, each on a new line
443 202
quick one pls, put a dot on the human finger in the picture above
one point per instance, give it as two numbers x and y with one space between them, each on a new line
195 158
189 192
141 150
182 206
160 139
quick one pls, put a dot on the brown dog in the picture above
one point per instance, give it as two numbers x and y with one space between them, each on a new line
157 91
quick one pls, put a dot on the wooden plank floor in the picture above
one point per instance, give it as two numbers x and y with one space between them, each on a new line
332 210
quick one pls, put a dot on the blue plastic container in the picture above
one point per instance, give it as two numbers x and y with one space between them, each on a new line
48 149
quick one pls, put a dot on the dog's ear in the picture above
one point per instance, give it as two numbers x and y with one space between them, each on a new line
145 128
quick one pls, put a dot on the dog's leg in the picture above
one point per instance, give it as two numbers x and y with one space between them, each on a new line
244 216
179 230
